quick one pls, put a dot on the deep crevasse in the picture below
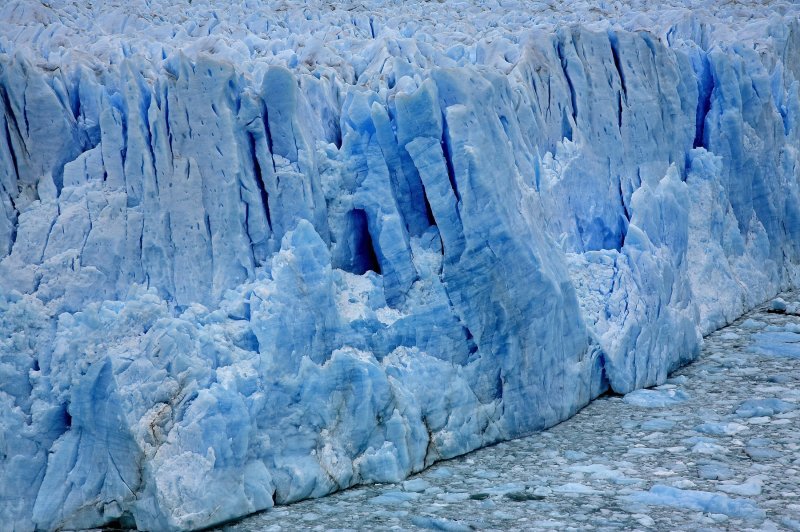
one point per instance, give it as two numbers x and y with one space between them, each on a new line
227 284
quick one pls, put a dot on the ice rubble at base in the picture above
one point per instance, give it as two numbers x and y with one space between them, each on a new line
703 501
269 257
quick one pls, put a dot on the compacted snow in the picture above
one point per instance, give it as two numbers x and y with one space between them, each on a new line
261 253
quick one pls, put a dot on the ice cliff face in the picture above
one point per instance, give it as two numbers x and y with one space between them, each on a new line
265 255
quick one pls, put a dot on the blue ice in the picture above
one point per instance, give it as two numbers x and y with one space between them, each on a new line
242 263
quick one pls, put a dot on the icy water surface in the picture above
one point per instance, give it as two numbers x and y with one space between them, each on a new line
716 448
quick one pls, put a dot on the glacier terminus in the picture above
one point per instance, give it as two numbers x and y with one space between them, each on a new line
261 252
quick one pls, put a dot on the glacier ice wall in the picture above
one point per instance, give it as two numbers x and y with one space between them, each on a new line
226 284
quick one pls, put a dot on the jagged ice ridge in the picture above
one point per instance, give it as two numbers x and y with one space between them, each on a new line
264 253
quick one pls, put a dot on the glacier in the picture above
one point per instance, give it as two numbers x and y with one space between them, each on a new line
260 254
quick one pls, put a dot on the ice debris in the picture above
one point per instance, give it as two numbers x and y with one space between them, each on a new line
703 501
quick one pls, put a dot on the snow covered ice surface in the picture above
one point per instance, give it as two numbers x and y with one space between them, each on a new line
724 459
264 253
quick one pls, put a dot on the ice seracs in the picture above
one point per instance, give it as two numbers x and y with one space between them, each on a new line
264 254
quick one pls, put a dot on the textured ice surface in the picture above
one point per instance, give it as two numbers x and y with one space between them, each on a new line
704 501
655 398
636 465
786 344
264 253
